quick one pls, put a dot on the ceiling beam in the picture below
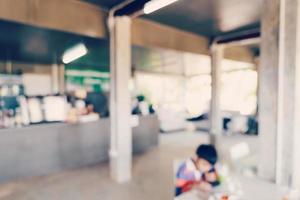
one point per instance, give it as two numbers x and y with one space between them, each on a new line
82 18
64 15
151 34
240 53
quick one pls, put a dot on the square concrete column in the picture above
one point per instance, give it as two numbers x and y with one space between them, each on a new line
55 78
278 94
120 111
216 121
61 79
296 96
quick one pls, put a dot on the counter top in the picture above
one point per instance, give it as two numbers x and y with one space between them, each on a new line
47 148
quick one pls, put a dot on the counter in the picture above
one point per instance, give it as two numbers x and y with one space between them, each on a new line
44 149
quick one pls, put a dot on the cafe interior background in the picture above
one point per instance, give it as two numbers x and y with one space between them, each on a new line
62 106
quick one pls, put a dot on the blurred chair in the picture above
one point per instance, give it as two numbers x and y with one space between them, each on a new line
242 161
238 124
239 152
171 121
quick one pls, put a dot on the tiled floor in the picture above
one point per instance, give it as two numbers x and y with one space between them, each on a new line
152 176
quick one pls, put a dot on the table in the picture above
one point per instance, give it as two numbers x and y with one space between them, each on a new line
253 189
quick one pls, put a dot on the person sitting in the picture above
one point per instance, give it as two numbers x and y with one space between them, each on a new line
198 171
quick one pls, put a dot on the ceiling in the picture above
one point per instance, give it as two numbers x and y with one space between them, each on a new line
33 45
26 43
39 45
205 17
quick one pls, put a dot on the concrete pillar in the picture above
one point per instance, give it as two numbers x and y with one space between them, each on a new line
9 67
296 99
61 79
268 89
277 91
216 125
55 78
120 69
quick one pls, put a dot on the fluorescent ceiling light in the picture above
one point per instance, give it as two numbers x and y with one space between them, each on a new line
155 5
74 53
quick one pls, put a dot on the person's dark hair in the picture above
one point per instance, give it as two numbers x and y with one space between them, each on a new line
207 152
